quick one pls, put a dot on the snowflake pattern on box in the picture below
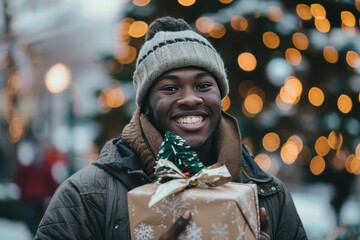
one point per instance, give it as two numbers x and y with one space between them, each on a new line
193 232
144 232
173 207
233 218
219 231
243 200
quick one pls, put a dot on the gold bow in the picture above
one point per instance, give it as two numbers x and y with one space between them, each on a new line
212 176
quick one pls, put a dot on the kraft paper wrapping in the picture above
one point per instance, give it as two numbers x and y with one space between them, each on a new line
229 211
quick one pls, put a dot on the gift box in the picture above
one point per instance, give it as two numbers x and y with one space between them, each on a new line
229 211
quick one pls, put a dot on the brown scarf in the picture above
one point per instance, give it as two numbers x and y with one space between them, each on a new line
145 140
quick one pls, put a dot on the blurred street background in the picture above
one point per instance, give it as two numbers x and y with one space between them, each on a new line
294 69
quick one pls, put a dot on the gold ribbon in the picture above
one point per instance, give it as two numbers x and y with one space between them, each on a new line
215 175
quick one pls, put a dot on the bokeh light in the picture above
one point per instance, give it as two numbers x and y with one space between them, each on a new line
264 161
186 3
303 11
271 141
226 103
293 56
344 103
317 165
300 41
218 31
271 40
58 78
138 29
289 152
330 54
316 96
204 24
141 3
253 104
239 23
247 61
322 147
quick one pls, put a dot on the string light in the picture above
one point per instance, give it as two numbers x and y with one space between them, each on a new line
291 47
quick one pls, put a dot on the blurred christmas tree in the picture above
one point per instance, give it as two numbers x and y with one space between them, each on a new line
293 68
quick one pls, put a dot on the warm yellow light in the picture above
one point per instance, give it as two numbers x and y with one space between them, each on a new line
218 31
226 102
334 140
239 23
271 40
226 1
348 19
289 153
316 96
344 103
275 14
297 141
352 164
353 59
122 29
293 86
271 142
303 11
330 54
293 56
253 104
141 3
318 11
247 61
322 25
186 3
322 146
112 97
127 54
300 41
138 29
288 97
264 161
317 165
204 24
58 78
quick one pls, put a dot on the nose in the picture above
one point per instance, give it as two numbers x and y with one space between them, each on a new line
188 97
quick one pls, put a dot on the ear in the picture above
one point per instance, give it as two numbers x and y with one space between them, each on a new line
145 109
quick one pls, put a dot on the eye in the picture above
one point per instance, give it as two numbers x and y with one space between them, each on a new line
169 88
203 86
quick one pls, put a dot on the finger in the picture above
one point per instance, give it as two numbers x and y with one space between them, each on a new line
178 227
264 225
263 220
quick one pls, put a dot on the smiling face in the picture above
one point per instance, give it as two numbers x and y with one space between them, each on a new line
187 102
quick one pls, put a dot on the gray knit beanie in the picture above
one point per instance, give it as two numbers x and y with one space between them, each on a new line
171 44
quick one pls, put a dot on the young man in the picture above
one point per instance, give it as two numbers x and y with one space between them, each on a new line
180 80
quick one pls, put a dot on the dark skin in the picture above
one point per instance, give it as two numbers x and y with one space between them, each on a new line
187 102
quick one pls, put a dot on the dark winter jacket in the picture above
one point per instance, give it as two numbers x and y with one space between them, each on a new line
77 209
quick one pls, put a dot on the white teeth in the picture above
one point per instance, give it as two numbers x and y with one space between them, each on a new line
190 119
